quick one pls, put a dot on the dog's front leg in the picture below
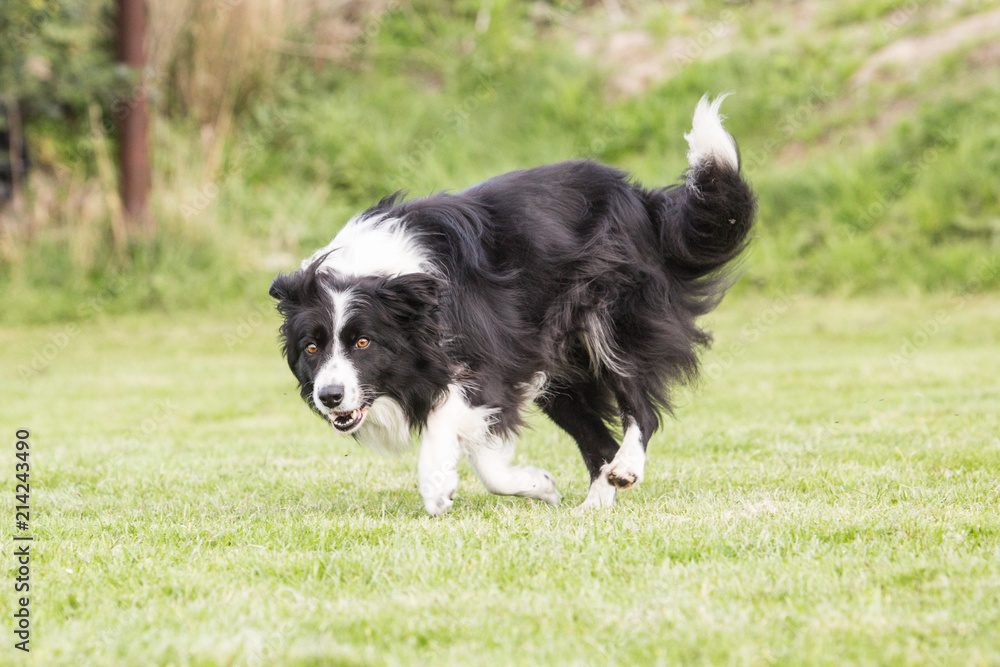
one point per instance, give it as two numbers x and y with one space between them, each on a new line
437 468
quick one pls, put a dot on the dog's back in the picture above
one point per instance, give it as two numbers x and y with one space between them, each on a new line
575 271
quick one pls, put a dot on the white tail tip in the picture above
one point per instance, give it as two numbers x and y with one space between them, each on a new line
708 139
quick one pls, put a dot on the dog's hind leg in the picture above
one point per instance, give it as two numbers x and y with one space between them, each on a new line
626 468
577 410
639 420
490 458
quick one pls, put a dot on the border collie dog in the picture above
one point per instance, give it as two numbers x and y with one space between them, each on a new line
568 285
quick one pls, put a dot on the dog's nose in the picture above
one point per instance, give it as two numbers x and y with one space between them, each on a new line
332 395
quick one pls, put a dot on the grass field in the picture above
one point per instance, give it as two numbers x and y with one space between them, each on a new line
827 496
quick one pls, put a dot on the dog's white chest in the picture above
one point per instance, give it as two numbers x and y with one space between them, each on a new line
386 431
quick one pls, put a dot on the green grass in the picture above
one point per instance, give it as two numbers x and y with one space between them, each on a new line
879 187
828 495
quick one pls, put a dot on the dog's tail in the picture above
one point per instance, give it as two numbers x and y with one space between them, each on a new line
705 222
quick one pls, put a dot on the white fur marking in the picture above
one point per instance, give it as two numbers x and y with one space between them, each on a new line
597 340
451 425
708 139
627 468
491 460
373 246
602 494
386 430
341 309
534 389
338 369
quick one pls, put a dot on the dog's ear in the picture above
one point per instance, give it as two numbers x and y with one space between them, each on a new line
285 286
414 296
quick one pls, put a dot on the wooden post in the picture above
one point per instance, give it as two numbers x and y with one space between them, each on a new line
132 117
16 152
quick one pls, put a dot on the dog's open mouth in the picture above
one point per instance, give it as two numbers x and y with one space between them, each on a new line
345 422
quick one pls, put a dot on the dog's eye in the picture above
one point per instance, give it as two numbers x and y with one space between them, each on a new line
311 348
362 343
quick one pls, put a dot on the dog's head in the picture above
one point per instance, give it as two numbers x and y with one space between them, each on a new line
352 340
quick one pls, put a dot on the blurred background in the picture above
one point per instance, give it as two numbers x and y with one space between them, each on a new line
870 129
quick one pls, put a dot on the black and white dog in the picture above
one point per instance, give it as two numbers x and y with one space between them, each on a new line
567 285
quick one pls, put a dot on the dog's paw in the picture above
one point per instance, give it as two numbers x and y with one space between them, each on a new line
621 475
544 487
624 472
601 495
440 504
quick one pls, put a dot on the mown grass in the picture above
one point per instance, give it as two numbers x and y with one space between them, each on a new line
827 496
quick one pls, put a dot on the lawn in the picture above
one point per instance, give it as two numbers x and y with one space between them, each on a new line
828 495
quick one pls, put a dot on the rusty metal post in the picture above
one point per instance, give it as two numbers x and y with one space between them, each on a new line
132 117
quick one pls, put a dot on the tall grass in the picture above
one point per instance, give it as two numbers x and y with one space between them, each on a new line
213 77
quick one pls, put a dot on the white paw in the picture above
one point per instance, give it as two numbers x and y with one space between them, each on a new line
625 470
543 487
601 495
439 504
623 474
